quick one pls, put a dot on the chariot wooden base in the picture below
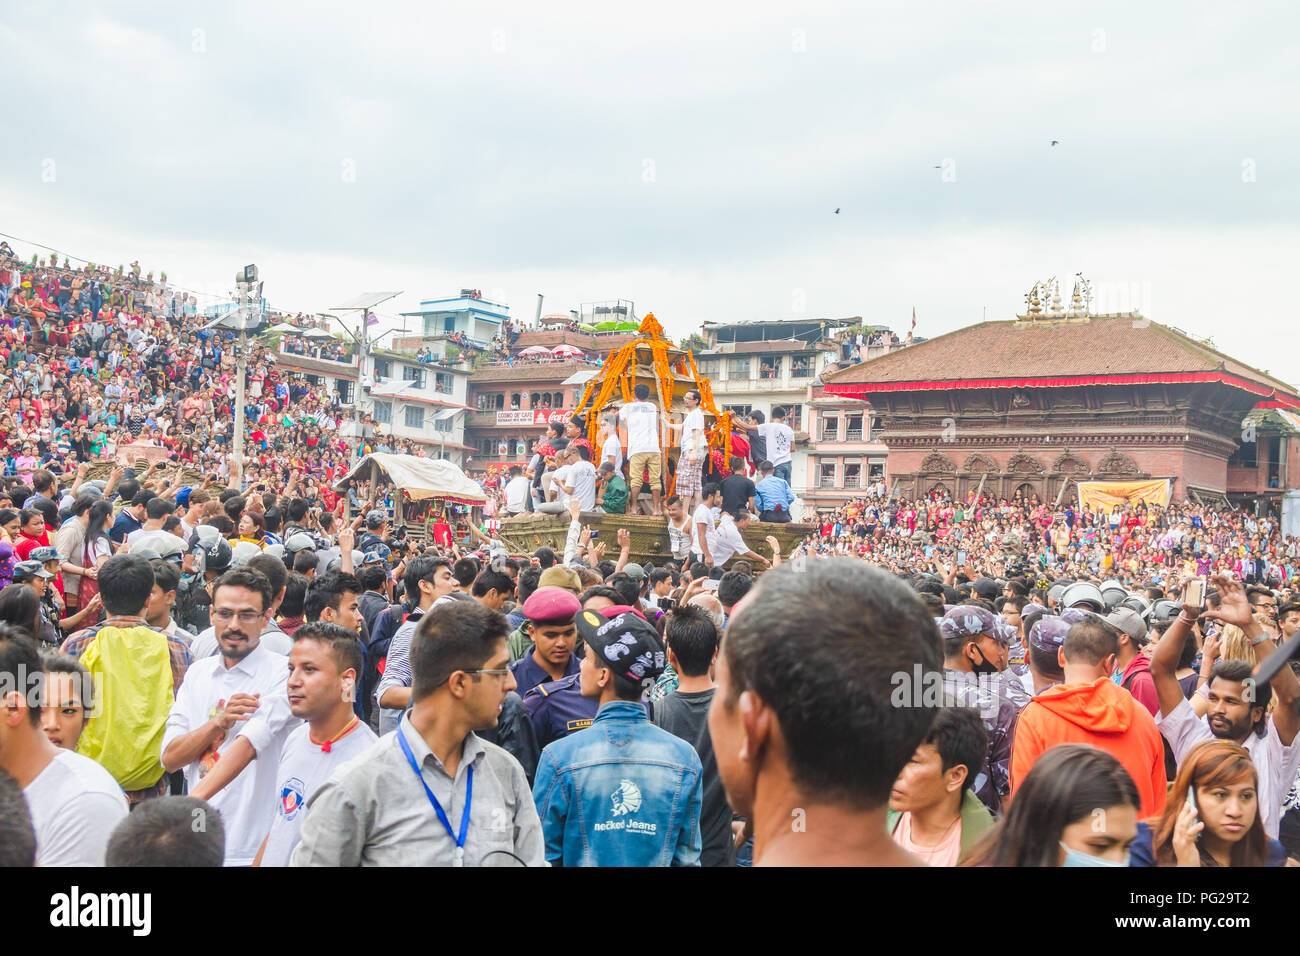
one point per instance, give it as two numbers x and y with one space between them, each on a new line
524 534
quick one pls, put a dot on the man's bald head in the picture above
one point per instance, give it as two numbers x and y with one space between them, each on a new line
711 606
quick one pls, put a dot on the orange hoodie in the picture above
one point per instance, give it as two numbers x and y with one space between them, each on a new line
1100 714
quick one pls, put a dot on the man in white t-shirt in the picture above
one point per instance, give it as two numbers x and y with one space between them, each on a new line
680 528
156 513
1230 706
779 438
324 669
223 692
638 424
704 524
695 447
74 803
558 502
580 478
728 540
610 448
516 491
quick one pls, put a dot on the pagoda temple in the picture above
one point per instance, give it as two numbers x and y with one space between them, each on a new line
1060 396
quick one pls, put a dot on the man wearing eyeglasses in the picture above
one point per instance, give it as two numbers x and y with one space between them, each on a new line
1262 601
216 700
433 792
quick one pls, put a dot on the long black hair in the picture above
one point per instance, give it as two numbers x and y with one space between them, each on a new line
20 607
95 529
1066 784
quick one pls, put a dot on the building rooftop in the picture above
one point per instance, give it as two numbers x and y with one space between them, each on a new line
760 329
1105 349
524 371
458 303
762 348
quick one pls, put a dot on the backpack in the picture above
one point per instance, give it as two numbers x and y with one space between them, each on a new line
376 657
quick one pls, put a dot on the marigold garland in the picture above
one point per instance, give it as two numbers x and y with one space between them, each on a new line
619 374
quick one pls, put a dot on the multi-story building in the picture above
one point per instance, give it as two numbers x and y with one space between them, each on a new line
1053 399
466 317
1264 471
417 387
842 456
421 400
338 375
512 404
760 365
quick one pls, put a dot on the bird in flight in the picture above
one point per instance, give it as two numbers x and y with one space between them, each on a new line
837 211
1055 141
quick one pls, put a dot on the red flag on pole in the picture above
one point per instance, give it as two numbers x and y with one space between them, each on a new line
913 318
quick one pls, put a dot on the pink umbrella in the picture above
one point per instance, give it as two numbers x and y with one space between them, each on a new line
567 349
536 350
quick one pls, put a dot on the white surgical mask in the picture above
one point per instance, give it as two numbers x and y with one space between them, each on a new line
1078 858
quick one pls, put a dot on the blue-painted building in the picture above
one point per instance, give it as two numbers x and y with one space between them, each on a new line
468 314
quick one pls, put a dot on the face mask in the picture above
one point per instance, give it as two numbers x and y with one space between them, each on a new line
1076 858
984 666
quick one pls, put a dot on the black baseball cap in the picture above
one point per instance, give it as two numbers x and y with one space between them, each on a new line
624 641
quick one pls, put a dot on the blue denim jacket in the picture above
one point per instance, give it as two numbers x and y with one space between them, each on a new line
623 792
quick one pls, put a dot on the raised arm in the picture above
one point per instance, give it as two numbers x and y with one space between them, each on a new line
1164 660
1234 608
776 549
624 549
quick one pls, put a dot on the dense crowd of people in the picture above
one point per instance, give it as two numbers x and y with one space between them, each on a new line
933 681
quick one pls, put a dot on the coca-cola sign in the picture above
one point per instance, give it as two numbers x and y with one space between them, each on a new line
537 416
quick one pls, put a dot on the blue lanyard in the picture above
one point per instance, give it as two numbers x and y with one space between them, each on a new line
437 807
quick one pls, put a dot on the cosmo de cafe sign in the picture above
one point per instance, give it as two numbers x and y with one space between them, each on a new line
540 417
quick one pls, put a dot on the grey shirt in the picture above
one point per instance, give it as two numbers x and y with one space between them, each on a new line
373 812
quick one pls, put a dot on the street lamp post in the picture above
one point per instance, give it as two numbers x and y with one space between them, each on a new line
244 281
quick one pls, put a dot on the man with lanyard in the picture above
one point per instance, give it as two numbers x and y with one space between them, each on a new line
639 424
434 793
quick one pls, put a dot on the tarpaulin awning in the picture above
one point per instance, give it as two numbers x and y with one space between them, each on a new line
1107 494
419 478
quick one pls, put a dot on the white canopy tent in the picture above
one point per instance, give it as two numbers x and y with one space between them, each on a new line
419 478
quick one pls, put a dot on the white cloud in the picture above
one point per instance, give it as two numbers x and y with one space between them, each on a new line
504 146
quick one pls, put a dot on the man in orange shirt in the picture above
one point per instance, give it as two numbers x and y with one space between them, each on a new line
1088 708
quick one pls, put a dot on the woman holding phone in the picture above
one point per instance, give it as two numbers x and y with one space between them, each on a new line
1212 815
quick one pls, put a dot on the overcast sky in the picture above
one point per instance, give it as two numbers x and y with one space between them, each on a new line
686 156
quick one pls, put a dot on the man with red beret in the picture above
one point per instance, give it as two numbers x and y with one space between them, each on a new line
548 615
